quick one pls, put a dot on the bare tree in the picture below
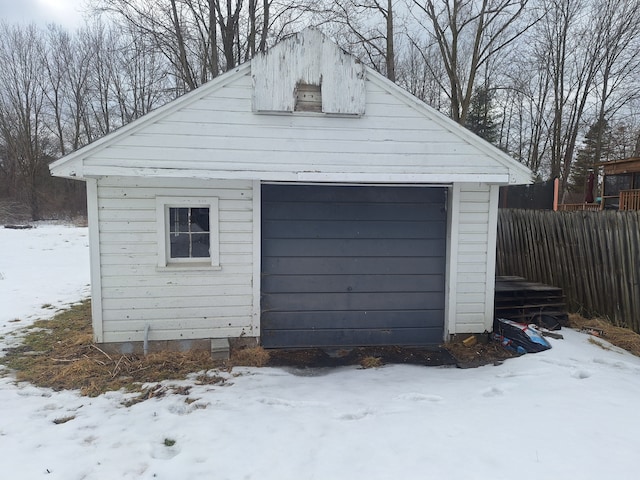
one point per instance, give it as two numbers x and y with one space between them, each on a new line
574 58
366 28
620 66
469 33
25 144
228 13
527 105
55 59
420 72
140 81
166 23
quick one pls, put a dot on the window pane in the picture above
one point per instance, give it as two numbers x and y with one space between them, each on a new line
178 219
614 183
199 219
200 245
179 245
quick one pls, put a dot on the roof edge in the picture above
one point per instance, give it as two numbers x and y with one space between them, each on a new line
68 166
302 176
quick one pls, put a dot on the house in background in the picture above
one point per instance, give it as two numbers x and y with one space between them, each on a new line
619 189
301 199
621 184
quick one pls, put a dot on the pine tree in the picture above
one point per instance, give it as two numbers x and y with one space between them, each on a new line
481 119
585 161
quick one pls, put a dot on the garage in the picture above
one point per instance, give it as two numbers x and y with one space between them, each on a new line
362 218
346 266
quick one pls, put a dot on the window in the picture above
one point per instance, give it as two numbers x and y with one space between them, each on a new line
187 232
614 183
308 98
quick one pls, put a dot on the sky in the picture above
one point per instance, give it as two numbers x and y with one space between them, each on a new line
567 413
64 12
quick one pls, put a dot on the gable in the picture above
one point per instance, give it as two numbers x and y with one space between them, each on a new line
227 129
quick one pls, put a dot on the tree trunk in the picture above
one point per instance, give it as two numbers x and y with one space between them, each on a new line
390 57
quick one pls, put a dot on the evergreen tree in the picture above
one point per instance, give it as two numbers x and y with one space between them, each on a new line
585 161
481 119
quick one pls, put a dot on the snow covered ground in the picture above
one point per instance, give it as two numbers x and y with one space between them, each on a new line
570 413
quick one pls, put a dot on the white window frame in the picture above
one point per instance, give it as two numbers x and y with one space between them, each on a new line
163 204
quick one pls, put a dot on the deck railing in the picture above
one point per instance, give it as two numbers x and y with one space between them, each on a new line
630 200
574 207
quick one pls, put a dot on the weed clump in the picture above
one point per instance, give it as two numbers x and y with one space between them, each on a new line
371 362
250 357
620 337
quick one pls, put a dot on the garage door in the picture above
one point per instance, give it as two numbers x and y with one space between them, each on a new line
347 266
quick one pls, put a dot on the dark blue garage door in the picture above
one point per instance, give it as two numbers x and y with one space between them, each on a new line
346 266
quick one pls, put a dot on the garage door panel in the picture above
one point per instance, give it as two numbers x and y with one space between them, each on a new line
312 247
347 337
353 265
356 319
351 212
354 194
352 301
275 229
351 283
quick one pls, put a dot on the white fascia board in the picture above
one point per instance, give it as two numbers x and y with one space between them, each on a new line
518 173
70 166
322 177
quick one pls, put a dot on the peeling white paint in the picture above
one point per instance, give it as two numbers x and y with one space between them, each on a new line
310 58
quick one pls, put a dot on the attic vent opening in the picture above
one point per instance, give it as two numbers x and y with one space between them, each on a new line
308 98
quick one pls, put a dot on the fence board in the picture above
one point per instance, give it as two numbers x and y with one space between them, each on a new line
593 256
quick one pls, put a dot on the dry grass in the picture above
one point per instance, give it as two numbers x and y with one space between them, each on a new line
60 354
371 362
478 352
249 357
618 336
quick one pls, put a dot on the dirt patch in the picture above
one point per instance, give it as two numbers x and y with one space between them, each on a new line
484 352
618 336
454 354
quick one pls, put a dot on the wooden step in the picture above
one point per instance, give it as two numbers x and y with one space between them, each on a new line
520 300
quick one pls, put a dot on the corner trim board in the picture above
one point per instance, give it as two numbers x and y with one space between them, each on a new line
492 239
257 256
94 259
452 259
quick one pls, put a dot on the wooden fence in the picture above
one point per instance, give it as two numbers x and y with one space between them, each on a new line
593 256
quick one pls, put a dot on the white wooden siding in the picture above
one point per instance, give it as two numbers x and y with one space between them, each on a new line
181 304
221 137
472 273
